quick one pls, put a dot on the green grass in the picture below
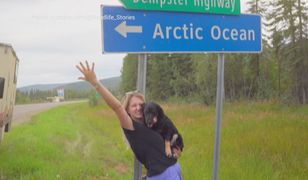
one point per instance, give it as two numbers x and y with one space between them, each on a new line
69 142
259 141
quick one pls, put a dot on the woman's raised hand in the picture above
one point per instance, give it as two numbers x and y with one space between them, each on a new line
89 74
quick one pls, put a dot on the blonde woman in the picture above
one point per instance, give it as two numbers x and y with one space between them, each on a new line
147 145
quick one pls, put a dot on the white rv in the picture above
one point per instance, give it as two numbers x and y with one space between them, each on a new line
8 79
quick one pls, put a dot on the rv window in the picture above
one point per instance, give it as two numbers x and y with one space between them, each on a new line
1 87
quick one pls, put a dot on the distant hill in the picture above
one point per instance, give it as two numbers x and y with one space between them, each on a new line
41 87
111 83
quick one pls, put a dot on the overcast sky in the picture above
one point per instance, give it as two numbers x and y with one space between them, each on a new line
51 36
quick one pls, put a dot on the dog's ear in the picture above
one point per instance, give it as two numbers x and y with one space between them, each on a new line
160 112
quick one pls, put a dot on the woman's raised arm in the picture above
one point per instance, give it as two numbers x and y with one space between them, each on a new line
113 102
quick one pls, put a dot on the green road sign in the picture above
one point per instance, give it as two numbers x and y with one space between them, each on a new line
230 7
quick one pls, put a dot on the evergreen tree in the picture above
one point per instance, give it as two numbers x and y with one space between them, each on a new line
129 73
205 75
256 7
183 79
159 77
288 20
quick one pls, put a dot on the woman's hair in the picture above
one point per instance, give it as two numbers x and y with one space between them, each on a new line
128 96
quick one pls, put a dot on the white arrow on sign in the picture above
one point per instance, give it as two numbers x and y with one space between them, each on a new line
123 29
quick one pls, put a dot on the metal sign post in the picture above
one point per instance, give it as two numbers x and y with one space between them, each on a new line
2 132
141 85
219 105
142 71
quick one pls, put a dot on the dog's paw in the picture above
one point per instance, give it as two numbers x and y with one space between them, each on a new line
168 153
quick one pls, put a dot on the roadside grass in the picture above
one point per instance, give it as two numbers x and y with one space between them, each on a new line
259 141
68 142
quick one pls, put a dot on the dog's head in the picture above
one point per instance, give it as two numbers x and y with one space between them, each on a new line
152 114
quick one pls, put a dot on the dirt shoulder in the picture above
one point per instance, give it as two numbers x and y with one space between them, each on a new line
23 113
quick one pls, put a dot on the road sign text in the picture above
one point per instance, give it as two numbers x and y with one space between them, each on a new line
203 6
233 34
178 32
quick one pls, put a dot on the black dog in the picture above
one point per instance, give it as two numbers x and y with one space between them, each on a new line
156 119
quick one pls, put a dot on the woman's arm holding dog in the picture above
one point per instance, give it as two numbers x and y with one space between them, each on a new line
113 102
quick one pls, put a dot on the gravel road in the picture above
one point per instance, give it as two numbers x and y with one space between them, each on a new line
23 113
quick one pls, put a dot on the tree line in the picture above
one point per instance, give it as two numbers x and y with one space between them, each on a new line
38 96
279 72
